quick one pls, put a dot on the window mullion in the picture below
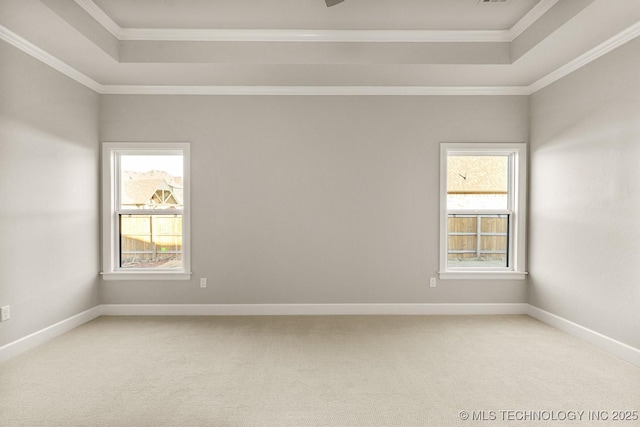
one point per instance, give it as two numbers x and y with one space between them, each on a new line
479 212
149 211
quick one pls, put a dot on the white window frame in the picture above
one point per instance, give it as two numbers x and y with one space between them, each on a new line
111 152
516 209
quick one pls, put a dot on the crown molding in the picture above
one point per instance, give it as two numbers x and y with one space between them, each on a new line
603 48
292 35
315 90
48 59
532 16
45 57
326 36
64 68
99 15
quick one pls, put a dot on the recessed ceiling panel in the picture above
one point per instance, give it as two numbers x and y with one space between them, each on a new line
314 14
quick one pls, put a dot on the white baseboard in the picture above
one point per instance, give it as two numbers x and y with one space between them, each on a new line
620 349
308 309
624 351
35 339
40 337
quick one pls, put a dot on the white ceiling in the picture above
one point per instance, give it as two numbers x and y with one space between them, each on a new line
313 14
301 46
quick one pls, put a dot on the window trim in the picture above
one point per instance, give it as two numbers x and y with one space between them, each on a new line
110 183
517 209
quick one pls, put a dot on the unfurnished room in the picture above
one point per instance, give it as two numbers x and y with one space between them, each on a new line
349 213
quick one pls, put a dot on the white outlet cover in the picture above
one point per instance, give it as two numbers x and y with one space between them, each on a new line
5 313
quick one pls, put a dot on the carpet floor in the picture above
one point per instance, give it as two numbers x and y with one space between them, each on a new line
318 371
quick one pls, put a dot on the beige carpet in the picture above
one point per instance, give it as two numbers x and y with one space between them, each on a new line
316 371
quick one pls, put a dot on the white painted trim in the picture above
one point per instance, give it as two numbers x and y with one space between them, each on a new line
99 15
308 309
610 345
35 339
290 35
48 59
145 275
624 351
310 35
591 55
482 275
45 57
315 90
517 205
325 36
532 16
111 152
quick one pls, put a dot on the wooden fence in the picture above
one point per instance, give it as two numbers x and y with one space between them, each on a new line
150 238
478 238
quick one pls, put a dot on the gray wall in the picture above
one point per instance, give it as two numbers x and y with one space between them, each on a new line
585 196
303 199
49 180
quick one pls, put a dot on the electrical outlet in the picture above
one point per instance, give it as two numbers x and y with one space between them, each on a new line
203 282
5 313
432 282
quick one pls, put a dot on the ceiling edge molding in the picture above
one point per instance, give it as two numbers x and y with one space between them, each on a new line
64 68
36 52
316 90
603 48
532 16
257 35
346 36
48 59
100 15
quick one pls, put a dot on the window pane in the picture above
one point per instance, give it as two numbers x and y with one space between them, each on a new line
477 182
151 182
151 241
471 246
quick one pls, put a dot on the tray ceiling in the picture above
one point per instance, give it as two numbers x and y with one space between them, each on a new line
303 47
313 14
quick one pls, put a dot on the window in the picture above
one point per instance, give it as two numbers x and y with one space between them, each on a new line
145 204
482 220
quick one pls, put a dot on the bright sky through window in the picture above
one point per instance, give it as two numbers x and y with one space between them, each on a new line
135 163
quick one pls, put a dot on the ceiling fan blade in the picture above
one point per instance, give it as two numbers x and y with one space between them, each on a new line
332 2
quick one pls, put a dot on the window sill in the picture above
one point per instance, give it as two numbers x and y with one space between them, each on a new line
146 275
482 275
